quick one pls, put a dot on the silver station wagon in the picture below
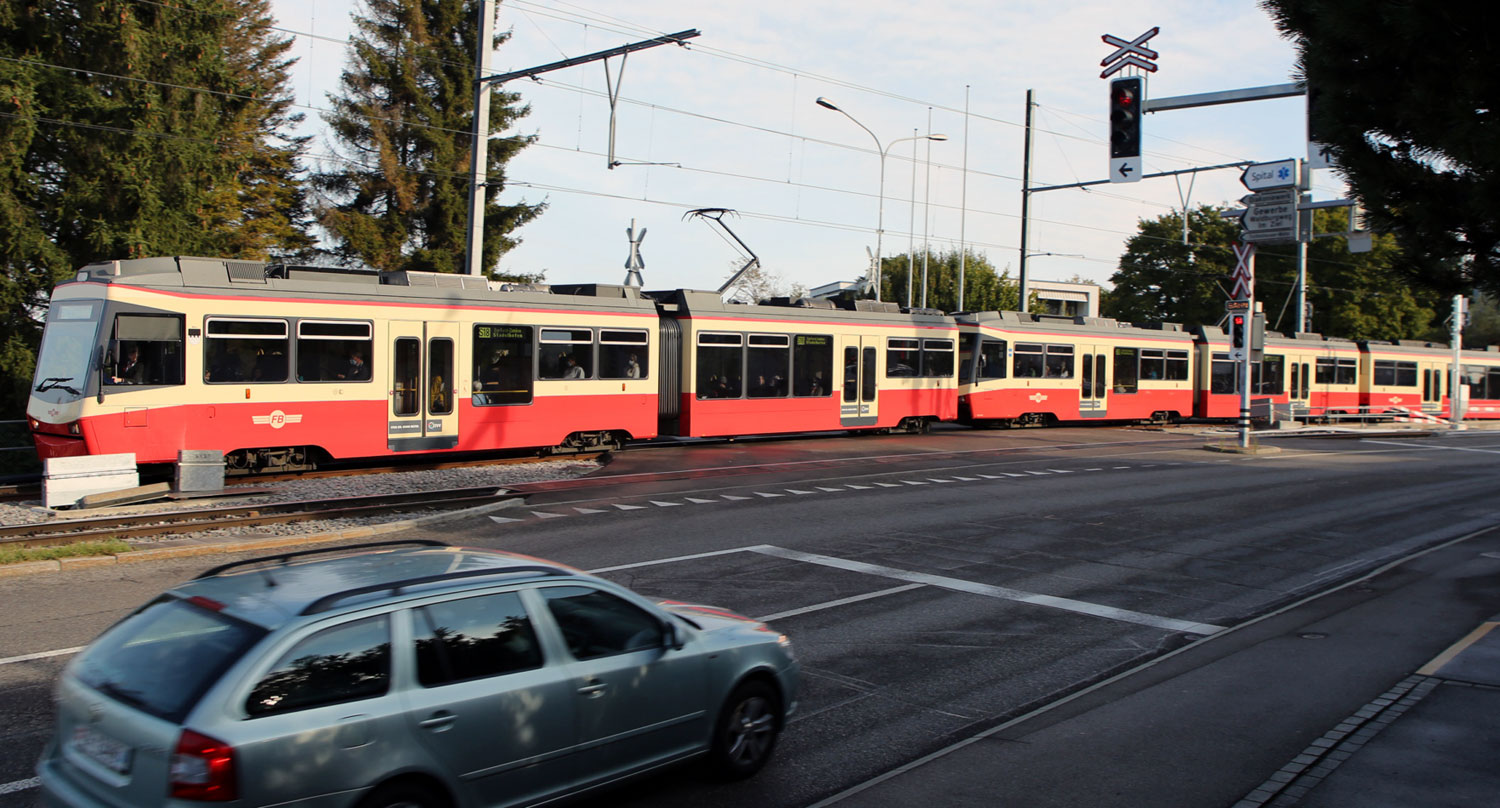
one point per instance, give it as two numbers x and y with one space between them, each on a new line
408 674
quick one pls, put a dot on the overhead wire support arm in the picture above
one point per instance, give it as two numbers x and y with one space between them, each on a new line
679 38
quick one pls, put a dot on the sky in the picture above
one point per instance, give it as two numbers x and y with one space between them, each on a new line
731 121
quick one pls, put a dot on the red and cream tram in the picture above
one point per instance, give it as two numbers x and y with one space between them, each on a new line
282 366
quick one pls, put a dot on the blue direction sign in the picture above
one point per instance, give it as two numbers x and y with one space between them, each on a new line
1265 176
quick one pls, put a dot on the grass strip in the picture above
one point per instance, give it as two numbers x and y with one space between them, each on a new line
77 549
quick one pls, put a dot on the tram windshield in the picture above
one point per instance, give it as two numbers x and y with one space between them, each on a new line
62 366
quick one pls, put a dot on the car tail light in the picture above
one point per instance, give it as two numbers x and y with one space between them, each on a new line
203 769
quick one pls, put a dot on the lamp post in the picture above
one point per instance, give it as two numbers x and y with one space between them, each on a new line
883 151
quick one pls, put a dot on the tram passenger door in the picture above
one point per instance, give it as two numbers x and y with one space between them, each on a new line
423 413
1093 386
858 405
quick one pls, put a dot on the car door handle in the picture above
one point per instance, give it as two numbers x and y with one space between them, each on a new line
594 690
438 721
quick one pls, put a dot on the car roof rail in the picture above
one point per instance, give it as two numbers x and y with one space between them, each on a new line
283 558
327 602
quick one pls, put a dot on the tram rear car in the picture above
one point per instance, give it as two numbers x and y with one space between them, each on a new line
1018 368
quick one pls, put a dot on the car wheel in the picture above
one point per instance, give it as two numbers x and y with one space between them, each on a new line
746 731
403 795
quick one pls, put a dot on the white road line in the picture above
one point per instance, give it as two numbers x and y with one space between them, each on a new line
737 498
799 492
589 510
702 501
860 487
888 485
816 607
19 785
40 655
972 587
768 496
661 504
500 520
625 507
1426 446
546 515
833 490
913 482
673 559
1038 473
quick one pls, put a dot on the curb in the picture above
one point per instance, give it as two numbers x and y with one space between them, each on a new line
246 545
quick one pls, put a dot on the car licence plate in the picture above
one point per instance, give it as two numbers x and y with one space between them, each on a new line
102 749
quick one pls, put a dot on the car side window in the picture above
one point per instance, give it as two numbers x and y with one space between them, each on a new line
474 638
344 663
597 624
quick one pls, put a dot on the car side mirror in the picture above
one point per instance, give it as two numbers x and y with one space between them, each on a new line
670 638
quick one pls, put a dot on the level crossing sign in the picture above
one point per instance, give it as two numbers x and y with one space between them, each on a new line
1244 272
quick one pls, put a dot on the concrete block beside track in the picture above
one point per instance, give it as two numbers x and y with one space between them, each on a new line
67 480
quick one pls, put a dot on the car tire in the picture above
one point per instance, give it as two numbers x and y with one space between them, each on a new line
403 795
746 732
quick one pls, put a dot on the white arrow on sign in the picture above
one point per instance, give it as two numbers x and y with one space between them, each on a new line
1265 176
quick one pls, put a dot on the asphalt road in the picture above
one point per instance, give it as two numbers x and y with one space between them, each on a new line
934 586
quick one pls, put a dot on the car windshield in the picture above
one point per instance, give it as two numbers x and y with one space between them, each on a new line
67 343
162 658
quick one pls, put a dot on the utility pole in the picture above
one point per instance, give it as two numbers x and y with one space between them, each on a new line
1455 377
1026 193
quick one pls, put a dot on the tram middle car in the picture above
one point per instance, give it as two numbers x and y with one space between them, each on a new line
1039 369
280 367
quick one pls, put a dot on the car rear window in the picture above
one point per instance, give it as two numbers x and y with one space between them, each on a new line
161 659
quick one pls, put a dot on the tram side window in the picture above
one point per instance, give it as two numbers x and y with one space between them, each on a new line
1127 369
966 343
1337 371
236 350
903 357
566 353
334 351
937 358
1177 366
769 359
721 361
1269 375
812 364
1153 364
622 355
1223 375
1390 373
1059 361
1030 360
146 349
992 359
502 358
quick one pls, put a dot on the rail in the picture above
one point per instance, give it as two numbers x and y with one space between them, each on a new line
66 531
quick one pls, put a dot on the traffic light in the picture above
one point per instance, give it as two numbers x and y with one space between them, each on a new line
1125 97
1237 331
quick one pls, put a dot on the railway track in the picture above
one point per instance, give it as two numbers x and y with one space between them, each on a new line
32 489
200 519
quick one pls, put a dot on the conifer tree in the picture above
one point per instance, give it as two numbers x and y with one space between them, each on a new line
396 198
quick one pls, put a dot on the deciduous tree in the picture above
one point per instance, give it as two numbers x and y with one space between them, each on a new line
130 129
1405 98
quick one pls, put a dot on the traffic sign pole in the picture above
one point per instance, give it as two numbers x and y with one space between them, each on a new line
1244 301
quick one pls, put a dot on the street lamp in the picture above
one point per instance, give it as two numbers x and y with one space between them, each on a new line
883 150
